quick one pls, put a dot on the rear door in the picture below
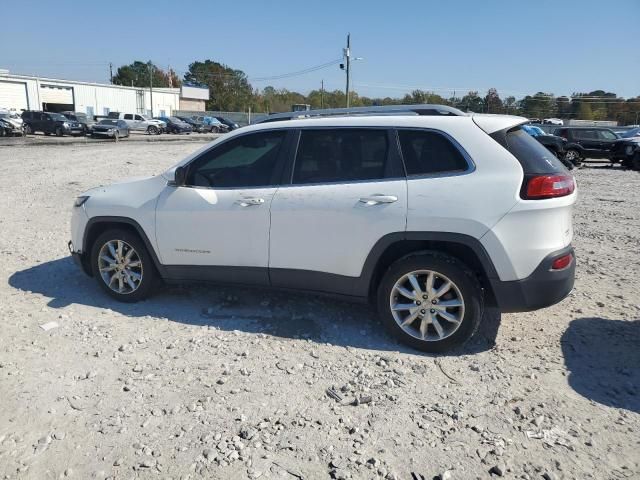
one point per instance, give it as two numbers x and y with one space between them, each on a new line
347 190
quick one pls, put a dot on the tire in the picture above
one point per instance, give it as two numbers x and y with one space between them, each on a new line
146 271
152 130
635 163
116 135
3 132
465 289
572 155
27 129
59 132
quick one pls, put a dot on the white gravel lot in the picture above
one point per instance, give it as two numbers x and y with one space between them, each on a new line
204 382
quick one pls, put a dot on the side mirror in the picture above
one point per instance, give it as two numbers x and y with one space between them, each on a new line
179 177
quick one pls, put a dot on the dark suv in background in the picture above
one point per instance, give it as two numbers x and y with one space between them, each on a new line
82 118
50 123
586 142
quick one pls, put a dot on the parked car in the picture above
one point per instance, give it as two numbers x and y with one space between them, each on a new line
553 121
50 123
553 143
627 152
10 124
587 142
110 128
175 125
632 132
229 123
195 125
350 221
140 123
213 124
82 118
535 120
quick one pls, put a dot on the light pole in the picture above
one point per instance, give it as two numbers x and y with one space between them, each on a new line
346 66
151 87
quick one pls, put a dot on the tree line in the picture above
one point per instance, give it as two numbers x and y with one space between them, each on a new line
230 90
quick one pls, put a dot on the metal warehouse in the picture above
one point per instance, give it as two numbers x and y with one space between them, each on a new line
24 92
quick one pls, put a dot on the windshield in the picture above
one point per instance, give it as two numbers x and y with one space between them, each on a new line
634 132
175 119
108 122
58 116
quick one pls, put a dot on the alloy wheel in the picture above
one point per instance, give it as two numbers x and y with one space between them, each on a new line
427 305
120 266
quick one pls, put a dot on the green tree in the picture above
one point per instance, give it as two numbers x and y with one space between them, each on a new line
138 74
229 89
471 102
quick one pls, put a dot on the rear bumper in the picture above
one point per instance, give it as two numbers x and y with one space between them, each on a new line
543 288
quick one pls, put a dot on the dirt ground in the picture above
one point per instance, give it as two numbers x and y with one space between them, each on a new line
204 382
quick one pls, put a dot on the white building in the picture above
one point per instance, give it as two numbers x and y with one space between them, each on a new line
24 92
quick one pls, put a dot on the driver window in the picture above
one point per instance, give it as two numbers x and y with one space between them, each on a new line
138 117
246 161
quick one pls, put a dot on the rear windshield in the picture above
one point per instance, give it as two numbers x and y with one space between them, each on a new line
532 155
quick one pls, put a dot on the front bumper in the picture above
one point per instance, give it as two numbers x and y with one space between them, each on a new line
79 258
543 288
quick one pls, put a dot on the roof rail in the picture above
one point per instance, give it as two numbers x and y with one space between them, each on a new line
419 109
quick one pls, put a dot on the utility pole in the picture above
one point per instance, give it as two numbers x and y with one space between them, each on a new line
347 54
111 72
151 86
322 93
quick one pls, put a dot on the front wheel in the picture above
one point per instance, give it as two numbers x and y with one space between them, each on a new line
152 130
431 302
59 132
27 129
122 266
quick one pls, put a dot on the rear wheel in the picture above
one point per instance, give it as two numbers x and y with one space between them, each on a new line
3 132
431 302
122 266
152 130
572 156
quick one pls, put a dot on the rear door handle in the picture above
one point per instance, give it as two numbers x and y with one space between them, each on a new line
249 201
378 198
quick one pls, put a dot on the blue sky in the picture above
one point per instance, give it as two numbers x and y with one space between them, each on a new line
519 47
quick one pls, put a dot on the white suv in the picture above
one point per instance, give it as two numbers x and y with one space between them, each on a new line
427 211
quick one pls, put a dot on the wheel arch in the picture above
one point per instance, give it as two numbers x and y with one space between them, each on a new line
393 247
98 225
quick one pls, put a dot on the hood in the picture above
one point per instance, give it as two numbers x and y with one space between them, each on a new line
16 122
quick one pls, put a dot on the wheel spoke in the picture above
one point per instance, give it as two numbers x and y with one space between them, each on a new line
120 283
406 293
409 320
448 317
444 288
436 324
119 249
414 283
399 307
108 268
112 250
447 304
136 276
429 286
113 278
424 325
104 258
130 282
134 264
129 254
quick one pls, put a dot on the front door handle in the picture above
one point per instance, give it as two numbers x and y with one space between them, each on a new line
378 198
248 201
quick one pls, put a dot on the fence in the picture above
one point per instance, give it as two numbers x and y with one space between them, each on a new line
241 118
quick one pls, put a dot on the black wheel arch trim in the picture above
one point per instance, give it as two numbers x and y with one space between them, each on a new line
86 249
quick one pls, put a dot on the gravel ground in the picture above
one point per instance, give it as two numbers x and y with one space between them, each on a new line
204 382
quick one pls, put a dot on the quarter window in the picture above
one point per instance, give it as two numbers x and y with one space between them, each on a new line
427 152
341 156
246 161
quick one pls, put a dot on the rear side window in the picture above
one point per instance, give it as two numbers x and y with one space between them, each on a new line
427 152
532 155
343 155
128 116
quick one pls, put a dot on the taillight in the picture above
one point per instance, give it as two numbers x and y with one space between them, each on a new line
562 262
537 187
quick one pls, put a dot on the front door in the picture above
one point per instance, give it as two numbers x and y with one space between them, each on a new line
347 191
220 217
607 139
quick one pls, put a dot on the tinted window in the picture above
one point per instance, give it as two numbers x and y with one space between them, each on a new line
426 152
340 156
534 158
585 134
138 117
246 161
128 116
607 135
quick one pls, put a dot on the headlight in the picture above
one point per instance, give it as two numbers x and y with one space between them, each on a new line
80 200
112 129
65 124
